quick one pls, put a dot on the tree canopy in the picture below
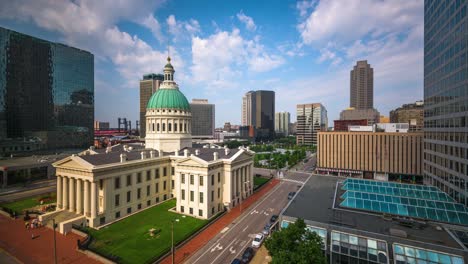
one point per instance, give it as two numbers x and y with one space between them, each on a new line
295 244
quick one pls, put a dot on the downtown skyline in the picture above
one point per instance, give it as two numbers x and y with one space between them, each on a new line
222 52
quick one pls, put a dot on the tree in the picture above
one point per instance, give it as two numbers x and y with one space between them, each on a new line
295 244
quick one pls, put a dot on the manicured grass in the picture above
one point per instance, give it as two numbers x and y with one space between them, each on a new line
258 181
30 202
130 240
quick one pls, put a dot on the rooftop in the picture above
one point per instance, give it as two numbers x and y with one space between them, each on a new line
328 214
103 158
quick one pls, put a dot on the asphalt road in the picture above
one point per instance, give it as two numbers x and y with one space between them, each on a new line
11 197
231 242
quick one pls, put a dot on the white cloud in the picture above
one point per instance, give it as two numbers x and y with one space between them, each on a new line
248 21
182 29
153 24
222 58
304 6
359 18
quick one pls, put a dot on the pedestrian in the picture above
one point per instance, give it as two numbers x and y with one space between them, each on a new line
32 236
26 224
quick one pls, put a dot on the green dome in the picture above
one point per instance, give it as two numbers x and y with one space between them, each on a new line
168 98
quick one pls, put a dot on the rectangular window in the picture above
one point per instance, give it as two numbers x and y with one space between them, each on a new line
117 182
200 212
101 184
157 187
182 178
219 192
183 194
212 195
117 215
138 193
172 184
148 203
164 172
165 197
201 180
191 210
201 197
117 200
192 180
219 177
148 175
102 220
139 177
191 196
129 196
164 185
148 190
212 210
129 210
157 173
139 206
172 171
181 209
157 199
129 180
212 179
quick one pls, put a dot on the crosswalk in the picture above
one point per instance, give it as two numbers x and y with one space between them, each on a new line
295 181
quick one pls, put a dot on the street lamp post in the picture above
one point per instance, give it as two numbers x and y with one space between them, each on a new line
55 242
172 241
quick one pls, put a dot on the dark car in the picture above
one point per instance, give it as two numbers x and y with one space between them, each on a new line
273 218
236 261
247 255
266 229
291 195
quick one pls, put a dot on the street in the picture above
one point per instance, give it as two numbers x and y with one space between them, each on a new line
231 242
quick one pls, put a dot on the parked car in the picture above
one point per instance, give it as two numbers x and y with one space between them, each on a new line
248 255
236 261
273 218
291 195
266 229
258 240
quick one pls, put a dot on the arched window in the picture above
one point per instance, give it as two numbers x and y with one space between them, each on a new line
157 127
152 125
175 127
185 127
169 127
164 127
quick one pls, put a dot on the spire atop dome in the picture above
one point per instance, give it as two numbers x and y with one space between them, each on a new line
169 71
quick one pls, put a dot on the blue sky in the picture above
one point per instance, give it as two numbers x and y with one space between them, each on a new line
302 50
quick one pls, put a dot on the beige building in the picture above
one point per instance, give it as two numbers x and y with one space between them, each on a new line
371 115
413 114
101 186
282 123
383 156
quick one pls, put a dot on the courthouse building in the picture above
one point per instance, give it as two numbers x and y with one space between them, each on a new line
98 187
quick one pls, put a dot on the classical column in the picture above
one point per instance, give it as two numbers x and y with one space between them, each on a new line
93 200
79 197
59 192
65 193
239 184
251 178
86 199
72 198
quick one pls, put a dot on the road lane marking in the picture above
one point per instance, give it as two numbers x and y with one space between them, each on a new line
254 209
243 230
224 230
232 250
222 252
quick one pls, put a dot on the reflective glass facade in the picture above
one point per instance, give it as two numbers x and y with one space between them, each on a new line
446 96
46 94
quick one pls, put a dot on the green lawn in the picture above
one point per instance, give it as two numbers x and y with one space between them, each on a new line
260 181
130 240
30 202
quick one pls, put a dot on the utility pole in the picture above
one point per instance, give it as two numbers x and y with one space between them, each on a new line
55 242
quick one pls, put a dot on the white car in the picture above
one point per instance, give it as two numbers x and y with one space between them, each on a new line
258 240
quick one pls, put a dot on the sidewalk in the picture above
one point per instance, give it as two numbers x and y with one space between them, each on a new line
206 235
16 240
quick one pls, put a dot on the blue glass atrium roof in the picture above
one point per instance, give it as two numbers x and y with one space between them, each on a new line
410 200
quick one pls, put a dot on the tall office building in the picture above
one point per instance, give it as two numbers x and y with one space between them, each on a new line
362 86
46 94
311 118
148 86
446 97
203 118
282 122
258 111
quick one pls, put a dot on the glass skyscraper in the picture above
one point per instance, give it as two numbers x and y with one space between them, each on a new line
446 96
46 94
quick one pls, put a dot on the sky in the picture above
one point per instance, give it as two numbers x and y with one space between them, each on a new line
221 49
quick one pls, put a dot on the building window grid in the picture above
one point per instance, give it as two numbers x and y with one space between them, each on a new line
361 248
408 254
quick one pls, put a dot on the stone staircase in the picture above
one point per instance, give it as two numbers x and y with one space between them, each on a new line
61 217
